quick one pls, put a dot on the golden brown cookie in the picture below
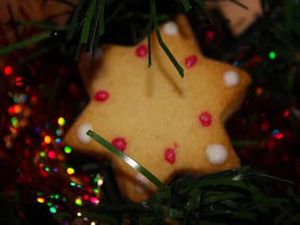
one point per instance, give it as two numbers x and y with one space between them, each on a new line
168 124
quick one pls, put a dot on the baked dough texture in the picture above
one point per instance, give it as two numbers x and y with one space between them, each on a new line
170 125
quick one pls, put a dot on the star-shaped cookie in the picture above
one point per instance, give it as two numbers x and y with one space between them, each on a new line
168 124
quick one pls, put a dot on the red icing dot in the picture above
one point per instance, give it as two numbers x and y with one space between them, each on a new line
170 155
190 61
205 119
119 143
141 51
101 96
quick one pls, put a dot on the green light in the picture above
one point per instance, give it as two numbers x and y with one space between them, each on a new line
47 169
67 149
42 154
53 210
49 204
272 55
78 201
72 184
14 121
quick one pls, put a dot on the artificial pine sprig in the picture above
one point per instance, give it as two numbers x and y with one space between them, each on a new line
234 197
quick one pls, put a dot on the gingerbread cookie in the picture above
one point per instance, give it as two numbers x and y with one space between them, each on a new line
168 124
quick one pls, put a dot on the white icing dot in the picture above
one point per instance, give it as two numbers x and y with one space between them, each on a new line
216 154
81 133
170 28
231 78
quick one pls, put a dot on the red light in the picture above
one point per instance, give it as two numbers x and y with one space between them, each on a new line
286 113
8 70
51 155
278 136
19 81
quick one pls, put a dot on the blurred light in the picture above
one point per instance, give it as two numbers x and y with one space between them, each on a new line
58 132
47 139
15 109
53 210
286 113
258 91
86 197
272 55
277 134
78 201
70 171
58 140
47 169
94 200
67 149
79 214
61 121
14 121
19 81
72 184
8 70
40 200
42 154
93 223
51 154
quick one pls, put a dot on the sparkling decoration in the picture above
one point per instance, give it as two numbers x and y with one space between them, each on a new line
47 139
53 210
67 149
272 55
70 171
40 200
78 201
61 121
8 70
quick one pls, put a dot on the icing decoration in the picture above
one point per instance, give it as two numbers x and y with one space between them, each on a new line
170 155
119 143
205 119
190 61
216 154
101 96
81 133
141 51
170 28
231 78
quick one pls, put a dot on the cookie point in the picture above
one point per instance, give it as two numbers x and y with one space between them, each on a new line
81 133
216 154
119 143
170 28
231 78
